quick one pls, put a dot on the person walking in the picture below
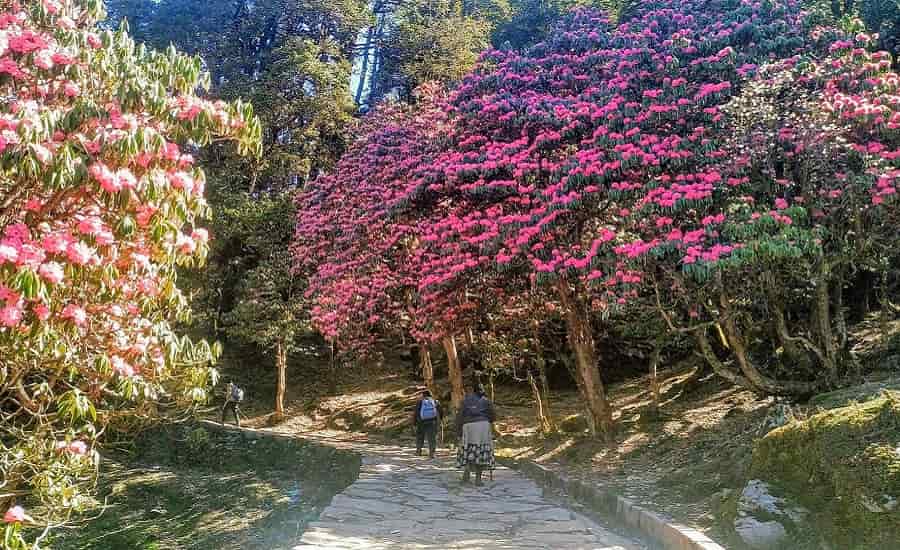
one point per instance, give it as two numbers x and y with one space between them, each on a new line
426 419
233 397
474 424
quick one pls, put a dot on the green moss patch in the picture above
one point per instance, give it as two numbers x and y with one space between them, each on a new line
844 466
855 394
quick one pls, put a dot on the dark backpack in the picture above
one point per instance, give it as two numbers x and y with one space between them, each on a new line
473 408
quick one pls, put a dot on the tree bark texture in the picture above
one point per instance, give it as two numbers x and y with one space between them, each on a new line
427 367
457 387
281 366
581 339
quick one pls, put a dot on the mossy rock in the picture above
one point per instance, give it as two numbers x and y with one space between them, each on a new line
855 394
844 466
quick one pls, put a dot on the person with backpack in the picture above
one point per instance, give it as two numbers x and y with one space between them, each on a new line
474 425
426 419
233 397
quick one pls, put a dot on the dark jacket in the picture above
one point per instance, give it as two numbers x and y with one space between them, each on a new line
417 417
475 408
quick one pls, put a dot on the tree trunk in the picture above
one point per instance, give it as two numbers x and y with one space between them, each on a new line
823 320
281 365
654 379
581 339
427 367
332 368
760 382
791 350
491 385
457 388
544 393
887 310
539 409
545 390
840 319
374 92
717 366
364 68
789 343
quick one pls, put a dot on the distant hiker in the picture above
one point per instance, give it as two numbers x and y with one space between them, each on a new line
426 420
233 397
474 424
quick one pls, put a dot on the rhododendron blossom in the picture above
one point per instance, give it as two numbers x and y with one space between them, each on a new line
10 316
81 235
15 514
121 367
52 272
555 166
78 448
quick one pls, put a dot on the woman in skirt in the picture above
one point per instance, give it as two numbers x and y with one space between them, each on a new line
474 424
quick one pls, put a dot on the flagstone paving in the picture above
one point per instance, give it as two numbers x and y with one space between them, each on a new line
406 502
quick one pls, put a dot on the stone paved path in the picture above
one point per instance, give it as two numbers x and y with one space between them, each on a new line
405 502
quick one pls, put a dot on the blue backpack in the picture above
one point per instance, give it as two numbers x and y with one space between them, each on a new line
428 410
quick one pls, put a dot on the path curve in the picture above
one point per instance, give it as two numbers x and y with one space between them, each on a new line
402 502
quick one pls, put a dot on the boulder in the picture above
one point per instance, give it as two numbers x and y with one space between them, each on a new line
763 519
842 464
757 498
760 535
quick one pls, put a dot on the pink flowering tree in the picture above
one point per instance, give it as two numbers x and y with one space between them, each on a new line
668 162
359 237
552 151
358 255
815 140
100 202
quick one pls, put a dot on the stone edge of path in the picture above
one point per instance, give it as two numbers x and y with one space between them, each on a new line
670 535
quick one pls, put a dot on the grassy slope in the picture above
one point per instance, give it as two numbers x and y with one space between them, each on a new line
155 508
197 489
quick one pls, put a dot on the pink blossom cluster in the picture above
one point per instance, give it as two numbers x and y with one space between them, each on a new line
99 205
82 257
597 152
